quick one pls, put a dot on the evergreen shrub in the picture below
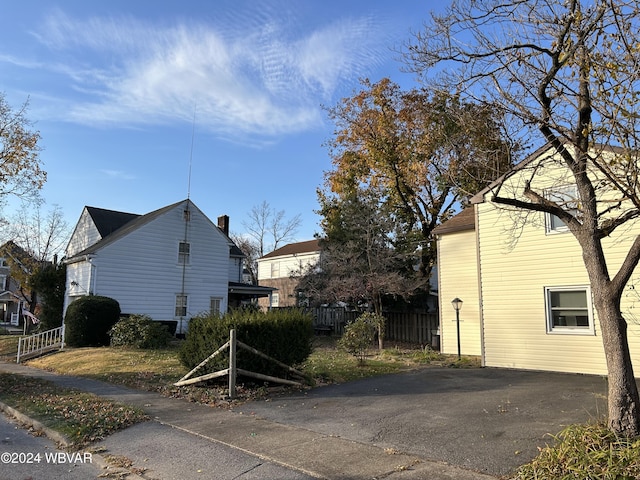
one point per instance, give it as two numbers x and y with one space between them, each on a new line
283 334
139 331
359 335
89 319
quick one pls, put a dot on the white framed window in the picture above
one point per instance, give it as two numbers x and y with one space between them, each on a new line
569 310
214 305
184 253
565 197
275 299
181 305
275 269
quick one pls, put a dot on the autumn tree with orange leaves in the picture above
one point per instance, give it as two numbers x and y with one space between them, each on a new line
419 152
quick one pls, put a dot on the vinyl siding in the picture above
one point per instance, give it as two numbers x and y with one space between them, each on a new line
141 269
84 235
458 277
287 265
518 260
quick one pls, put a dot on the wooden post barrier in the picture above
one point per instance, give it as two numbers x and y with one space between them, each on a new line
233 369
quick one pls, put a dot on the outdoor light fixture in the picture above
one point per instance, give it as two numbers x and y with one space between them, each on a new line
457 305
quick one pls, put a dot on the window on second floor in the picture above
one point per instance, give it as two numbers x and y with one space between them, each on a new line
565 197
275 269
184 253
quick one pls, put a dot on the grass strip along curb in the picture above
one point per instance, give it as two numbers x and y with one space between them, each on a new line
79 417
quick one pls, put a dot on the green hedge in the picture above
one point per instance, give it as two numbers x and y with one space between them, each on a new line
285 335
139 331
89 319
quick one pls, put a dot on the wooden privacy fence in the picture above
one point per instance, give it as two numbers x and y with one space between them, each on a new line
233 370
410 327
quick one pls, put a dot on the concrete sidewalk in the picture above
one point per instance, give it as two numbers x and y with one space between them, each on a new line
317 454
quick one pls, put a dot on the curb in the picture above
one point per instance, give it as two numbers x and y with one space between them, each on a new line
62 441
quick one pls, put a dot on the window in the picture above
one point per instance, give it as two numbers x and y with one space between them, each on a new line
214 305
275 299
275 270
181 305
565 197
569 310
184 251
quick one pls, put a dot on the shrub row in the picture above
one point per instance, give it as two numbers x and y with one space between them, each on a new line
139 331
285 335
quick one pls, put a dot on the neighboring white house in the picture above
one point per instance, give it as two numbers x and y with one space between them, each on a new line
170 264
521 276
275 270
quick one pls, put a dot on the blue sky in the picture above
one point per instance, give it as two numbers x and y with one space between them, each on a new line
114 87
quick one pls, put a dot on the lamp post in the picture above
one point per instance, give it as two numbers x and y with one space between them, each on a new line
457 305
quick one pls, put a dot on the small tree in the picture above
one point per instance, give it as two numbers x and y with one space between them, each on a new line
359 335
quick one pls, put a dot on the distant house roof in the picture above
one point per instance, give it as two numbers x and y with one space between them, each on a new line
118 224
465 220
309 246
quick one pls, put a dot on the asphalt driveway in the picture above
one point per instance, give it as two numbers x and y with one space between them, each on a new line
488 420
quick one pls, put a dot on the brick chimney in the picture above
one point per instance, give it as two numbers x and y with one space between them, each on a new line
223 224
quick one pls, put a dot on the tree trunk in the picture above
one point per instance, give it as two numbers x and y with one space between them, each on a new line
623 399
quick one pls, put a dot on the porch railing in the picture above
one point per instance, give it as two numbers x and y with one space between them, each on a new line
40 343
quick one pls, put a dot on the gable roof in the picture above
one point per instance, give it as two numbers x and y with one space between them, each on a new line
309 246
465 220
137 222
108 221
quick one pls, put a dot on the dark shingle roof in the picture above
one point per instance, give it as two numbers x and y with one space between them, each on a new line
108 221
295 248
465 220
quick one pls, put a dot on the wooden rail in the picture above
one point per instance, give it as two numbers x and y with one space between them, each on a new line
233 369
40 343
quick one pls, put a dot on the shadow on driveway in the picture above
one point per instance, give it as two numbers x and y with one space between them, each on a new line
488 420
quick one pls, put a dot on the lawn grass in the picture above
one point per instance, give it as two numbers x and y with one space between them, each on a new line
8 346
585 451
142 369
81 417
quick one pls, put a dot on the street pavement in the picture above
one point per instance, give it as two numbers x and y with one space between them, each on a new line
432 423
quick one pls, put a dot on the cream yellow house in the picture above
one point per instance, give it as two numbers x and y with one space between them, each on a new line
527 299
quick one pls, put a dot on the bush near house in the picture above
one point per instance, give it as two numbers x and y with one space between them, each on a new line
89 319
285 335
139 331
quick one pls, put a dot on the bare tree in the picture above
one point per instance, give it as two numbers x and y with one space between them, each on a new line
32 241
568 74
268 229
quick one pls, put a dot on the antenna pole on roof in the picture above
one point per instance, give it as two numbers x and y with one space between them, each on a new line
193 134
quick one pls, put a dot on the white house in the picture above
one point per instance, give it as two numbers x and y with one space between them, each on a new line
275 270
170 264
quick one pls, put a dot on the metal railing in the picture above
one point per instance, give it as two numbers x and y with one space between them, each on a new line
40 343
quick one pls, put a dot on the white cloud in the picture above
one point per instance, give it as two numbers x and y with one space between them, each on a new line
259 78
118 175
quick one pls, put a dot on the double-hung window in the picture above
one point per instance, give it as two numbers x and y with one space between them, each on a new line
566 198
184 252
181 305
569 310
214 307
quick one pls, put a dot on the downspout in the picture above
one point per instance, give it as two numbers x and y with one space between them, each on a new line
476 216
